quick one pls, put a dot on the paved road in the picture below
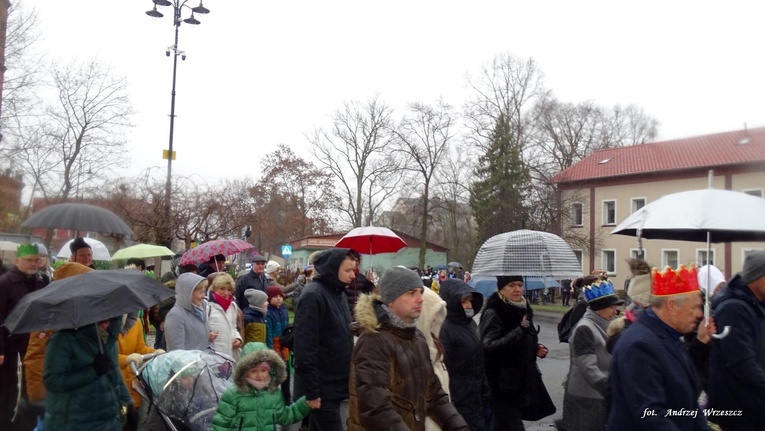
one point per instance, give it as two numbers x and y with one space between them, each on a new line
554 367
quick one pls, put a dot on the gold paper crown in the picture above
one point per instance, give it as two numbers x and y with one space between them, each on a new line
670 282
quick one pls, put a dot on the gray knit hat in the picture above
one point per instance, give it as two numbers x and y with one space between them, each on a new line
255 297
397 281
754 266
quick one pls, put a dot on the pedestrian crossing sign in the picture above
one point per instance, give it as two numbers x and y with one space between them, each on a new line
286 250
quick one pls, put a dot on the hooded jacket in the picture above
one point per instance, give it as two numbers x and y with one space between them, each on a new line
77 398
463 353
429 323
243 407
737 362
35 356
392 383
184 329
323 341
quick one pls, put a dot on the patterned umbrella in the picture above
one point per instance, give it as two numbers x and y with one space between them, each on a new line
203 252
527 253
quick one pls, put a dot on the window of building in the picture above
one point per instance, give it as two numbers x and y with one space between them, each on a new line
609 212
608 261
576 214
637 203
753 192
701 257
670 258
636 253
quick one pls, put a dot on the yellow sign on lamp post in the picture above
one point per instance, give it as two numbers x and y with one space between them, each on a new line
164 155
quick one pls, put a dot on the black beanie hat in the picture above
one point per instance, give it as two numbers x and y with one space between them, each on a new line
77 244
504 280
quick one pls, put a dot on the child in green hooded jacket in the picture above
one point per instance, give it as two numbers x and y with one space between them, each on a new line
255 401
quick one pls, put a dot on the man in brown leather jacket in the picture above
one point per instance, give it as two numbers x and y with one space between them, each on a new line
392 384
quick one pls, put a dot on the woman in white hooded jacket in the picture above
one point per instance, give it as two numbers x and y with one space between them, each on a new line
430 321
223 315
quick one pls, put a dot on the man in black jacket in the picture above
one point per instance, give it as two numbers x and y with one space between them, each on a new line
255 279
21 280
323 340
737 361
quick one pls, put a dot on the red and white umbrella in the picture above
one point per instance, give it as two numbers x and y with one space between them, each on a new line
371 240
205 251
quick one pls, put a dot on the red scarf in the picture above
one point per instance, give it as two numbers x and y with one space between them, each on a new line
223 302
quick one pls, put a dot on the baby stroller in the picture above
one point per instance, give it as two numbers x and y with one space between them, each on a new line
183 388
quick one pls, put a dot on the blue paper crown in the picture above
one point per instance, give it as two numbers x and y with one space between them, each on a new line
598 289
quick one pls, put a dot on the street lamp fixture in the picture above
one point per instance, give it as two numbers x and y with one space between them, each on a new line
178 6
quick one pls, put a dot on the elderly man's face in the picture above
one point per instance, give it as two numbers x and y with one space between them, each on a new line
757 287
686 312
258 267
29 265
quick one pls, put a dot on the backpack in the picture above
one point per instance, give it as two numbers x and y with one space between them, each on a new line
286 339
570 319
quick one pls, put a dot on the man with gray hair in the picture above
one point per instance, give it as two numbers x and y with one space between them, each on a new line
393 384
737 361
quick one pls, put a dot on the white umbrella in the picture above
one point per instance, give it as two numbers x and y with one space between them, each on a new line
527 253
100 252
709 215
726 216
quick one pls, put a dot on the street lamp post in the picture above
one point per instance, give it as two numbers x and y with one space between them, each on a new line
178 6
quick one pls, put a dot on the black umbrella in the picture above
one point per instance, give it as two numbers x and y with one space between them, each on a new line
84 299
80 217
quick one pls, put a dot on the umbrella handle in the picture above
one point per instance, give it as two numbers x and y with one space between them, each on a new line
723 334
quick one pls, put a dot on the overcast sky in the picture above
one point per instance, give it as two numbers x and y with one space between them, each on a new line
262 73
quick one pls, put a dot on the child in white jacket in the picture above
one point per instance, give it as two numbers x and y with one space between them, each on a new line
223 315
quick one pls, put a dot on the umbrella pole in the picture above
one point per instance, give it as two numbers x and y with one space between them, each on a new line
98 337
707 306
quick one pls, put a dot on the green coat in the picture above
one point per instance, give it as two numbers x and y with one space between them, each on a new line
245 408
76 398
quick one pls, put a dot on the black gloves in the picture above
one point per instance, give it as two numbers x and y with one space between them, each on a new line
101 364
132 417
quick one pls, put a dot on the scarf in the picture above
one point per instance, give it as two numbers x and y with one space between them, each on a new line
199 312
262 310
258 385
518 304
223 302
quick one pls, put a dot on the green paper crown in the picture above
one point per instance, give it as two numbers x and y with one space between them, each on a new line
27 250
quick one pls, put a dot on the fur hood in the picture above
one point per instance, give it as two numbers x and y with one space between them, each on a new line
253 354
433 313
366 316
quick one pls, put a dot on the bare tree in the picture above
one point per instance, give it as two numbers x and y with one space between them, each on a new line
80 138
354 151
504 89
23 69
423 137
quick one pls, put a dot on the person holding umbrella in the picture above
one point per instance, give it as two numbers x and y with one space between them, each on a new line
82 253
84 387
511 349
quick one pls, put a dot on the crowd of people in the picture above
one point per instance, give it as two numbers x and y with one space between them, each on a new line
410 350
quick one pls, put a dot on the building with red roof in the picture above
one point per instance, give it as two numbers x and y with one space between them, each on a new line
607 186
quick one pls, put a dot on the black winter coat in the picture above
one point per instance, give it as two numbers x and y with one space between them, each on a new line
14 285
737 362
463 353
322 336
